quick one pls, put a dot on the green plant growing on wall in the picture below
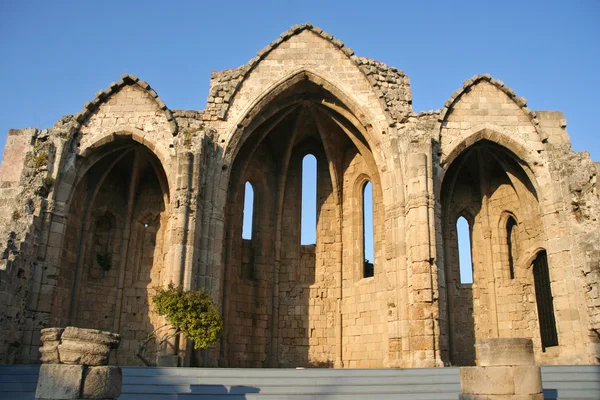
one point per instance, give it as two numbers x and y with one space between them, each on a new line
192 313
48 181
187 137
16 215
40 160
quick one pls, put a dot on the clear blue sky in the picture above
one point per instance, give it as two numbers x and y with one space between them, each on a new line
55 55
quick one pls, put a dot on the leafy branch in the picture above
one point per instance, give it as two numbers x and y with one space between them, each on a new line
192 313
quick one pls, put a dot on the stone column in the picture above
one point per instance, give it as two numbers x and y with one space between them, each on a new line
506 371
75 365
180 254
422 312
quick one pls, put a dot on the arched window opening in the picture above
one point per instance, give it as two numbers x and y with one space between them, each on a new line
247 269
544 300
248 211
511 243
368 242
465 263
308 225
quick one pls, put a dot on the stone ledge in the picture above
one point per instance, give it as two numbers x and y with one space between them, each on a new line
505 351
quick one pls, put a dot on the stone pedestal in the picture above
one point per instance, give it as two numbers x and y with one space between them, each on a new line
64 381
74 365
506 370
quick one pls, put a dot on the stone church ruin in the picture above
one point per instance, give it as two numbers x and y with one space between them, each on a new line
128 195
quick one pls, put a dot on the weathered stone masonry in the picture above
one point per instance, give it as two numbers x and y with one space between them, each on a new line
128 195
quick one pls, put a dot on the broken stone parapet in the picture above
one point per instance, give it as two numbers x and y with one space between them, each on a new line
506 370
86 346
50 338
74 365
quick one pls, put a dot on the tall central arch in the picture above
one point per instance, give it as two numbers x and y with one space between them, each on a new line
288 311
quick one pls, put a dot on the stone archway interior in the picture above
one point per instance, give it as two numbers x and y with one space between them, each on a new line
113 253
488 186
287 312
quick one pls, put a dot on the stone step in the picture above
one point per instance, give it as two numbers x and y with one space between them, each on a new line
18 395
569 369
18 378
571 382
317 396
215 388
18 382
367 379
280 372
18 386
570 394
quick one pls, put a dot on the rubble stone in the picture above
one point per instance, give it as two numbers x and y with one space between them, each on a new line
102 382
86 346
50 338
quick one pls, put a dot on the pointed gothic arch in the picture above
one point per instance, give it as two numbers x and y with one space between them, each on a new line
487 179
114 242
299 116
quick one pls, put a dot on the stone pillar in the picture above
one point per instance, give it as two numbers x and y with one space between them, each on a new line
506 371
75 365
422 310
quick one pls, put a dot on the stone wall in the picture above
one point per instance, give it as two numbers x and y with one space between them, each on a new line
83 245
365 300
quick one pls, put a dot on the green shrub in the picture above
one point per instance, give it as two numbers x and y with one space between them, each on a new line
48 181
40 160
16 215
192 312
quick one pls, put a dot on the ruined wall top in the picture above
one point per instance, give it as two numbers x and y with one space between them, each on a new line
391 85
470 83
126 79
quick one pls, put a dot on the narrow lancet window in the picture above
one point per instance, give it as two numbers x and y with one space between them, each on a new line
511 242
308 226
248 211
465 263
545 301
368 245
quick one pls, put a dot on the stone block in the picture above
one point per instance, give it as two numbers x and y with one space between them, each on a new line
59 381
528 380
505 351
487 380
86 346
50 338
72 352
102 382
